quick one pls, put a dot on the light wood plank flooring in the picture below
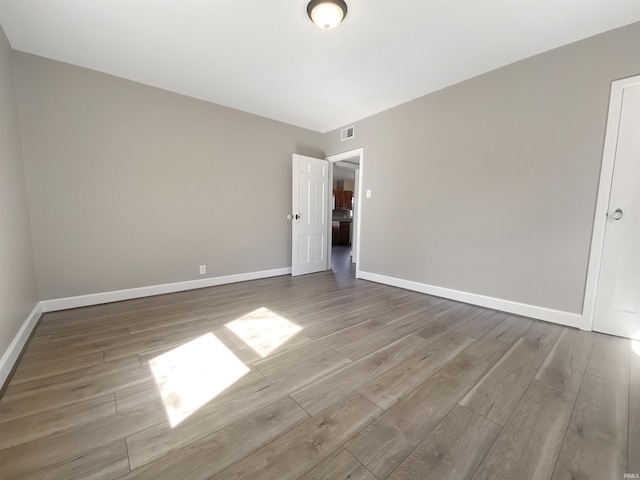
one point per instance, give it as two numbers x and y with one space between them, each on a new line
323 377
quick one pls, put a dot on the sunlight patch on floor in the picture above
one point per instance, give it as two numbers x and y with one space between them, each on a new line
194 373
263 330
635 346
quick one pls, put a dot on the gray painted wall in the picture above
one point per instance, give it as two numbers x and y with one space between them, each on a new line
134 186
489 186
18 294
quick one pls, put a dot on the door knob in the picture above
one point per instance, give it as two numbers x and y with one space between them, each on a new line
296 216
617 215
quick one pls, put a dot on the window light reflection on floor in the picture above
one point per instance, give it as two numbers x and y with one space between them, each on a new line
263 330
194 373
635 345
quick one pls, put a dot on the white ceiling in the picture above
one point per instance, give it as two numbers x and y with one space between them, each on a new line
267 58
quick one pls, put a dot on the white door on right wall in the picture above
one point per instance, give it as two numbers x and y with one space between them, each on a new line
617 309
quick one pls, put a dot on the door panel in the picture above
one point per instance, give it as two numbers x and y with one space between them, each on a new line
318 248
309 202
618 297
303 249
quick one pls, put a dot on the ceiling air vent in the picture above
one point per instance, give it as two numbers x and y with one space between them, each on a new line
346 133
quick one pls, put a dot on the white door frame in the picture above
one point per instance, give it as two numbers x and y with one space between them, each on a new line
356 216
602 202
358 152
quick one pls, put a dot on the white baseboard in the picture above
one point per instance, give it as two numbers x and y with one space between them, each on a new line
10 357
128 294
541 313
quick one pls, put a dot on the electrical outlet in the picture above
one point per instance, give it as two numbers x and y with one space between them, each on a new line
368 193
203 269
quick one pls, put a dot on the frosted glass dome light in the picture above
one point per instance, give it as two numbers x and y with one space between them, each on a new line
327 14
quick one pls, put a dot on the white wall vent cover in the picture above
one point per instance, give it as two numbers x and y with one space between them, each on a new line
346 133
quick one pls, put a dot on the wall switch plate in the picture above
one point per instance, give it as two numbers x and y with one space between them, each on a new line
368 193
203 269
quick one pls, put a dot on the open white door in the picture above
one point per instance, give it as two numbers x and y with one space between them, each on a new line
309 223
618 296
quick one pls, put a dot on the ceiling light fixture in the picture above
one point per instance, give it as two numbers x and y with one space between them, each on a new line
327 14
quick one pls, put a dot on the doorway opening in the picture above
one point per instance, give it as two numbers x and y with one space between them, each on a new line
345 212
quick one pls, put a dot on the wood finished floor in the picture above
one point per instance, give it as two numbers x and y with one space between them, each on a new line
379 383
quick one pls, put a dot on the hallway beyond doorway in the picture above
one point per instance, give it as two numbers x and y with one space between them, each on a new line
341 261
